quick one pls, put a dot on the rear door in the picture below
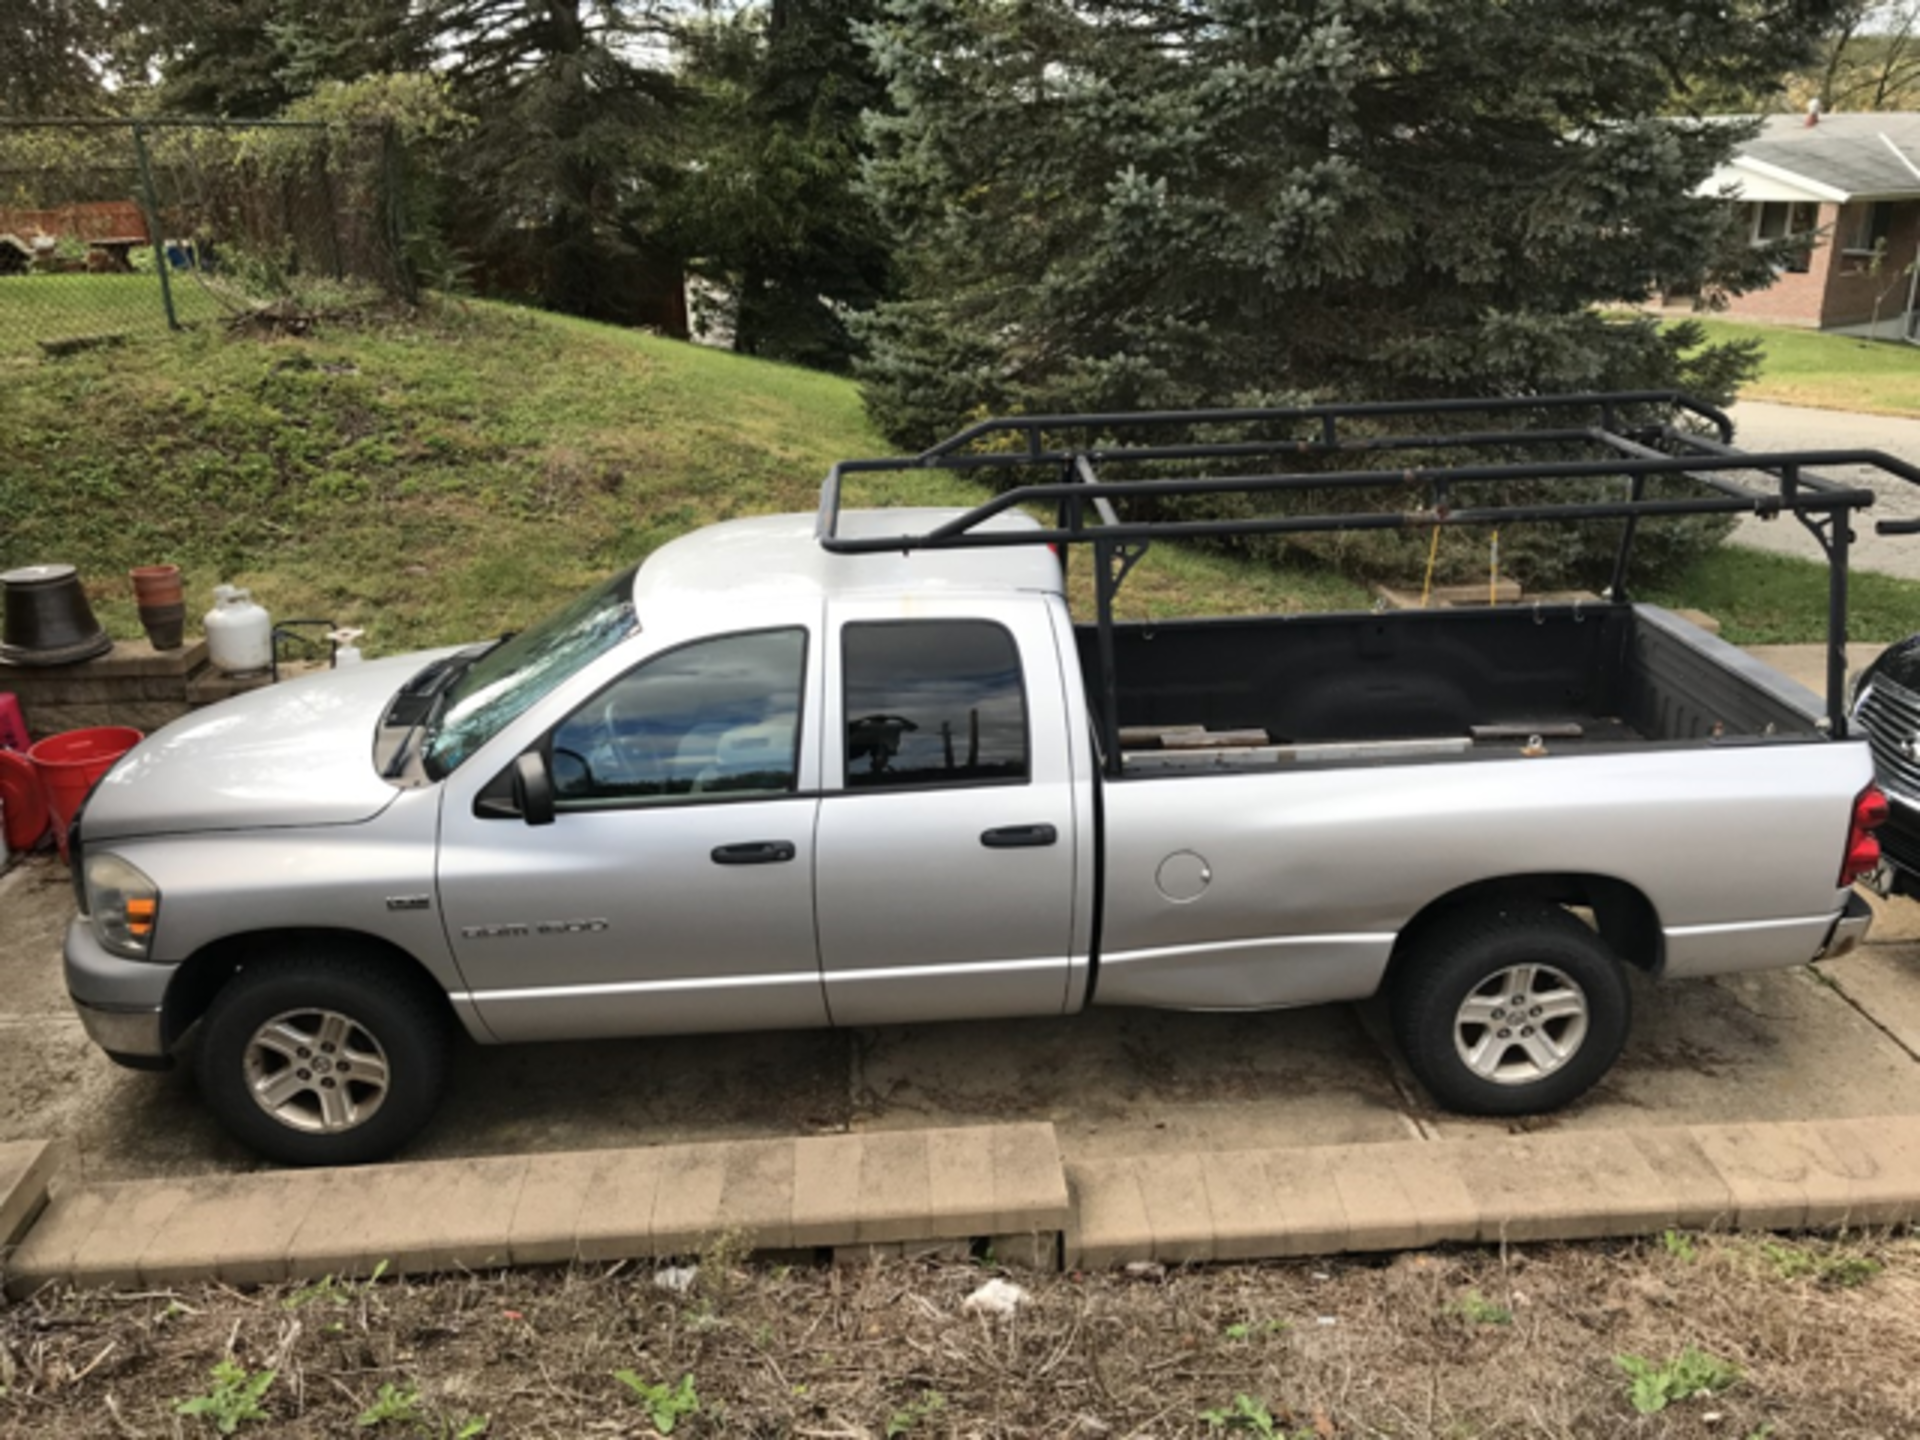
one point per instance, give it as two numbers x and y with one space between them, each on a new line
947 850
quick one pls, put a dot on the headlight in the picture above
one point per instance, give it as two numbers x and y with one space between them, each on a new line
123 905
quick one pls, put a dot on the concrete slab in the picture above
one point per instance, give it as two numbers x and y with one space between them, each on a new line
232 1228
1696 1192
1896 919
1173 1189
48 1253
1135 1082
1883 981
545 1228
26 1170
438 1216
1786 1175
616 1217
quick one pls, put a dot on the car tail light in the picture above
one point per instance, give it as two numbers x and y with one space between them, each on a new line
1863 851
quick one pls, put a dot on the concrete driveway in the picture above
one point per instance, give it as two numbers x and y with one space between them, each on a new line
1839 1042
1763 426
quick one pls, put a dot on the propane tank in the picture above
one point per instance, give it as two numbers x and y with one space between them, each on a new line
239 632
346 646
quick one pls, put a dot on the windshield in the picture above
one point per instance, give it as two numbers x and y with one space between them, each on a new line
502 683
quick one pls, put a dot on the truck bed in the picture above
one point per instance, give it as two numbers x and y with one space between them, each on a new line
1416 685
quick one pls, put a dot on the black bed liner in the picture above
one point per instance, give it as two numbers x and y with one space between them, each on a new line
1076 464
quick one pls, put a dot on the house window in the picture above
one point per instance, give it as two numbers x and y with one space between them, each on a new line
1779 219
1870 227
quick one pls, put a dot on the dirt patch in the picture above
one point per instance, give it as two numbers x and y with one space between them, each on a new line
1801 1338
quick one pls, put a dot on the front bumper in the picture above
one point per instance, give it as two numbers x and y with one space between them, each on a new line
129 1037
119 1001
1900 840
1849 930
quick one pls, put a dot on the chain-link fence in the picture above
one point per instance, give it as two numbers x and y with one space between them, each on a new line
112 228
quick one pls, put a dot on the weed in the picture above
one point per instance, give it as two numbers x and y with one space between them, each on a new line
1692 1372
394 1405
1476 1309
1680 1245
471 1428
665 1404
1253 1416
903 1420
1797 1262
234 1398
331 1290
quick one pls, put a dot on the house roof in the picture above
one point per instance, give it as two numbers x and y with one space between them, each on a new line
1873 156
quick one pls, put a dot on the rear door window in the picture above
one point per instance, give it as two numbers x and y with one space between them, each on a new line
933 702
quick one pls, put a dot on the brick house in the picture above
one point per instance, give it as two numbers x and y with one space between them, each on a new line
1852 182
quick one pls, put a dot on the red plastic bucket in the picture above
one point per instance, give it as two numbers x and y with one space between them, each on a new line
72 763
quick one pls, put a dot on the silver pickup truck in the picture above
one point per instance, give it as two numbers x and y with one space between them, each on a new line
864 768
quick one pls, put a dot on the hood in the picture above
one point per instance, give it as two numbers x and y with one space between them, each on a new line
297 753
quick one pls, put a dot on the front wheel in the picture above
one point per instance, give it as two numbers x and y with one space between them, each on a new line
324 1059
1510 1010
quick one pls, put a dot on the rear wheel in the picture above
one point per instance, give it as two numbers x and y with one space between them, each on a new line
324 1059
1510 1010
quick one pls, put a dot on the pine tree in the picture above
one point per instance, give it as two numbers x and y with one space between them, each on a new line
769 209
1109 204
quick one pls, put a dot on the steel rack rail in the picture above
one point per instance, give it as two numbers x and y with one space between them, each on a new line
1627 445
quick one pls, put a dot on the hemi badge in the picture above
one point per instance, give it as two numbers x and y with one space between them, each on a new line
409 902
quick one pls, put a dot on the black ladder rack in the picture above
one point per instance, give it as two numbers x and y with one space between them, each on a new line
1633 434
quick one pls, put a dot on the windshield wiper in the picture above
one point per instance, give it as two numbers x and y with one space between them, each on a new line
424 700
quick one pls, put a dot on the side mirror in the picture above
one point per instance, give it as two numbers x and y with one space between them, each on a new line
533 788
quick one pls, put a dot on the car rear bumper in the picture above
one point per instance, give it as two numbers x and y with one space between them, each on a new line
1849 930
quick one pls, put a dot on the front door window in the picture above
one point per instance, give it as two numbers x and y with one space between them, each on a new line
718 719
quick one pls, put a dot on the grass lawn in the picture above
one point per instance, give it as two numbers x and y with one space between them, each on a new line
62 307
1766 599
1834 372
452 475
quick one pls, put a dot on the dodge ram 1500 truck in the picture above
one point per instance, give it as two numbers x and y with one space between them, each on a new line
864 768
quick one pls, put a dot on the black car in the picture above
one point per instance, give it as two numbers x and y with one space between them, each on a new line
1886 708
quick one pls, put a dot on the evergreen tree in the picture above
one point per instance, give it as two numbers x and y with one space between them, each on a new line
250 59
557 185
50 57
1124 203
768 208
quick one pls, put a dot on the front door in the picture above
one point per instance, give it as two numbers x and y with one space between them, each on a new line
947 839
674 890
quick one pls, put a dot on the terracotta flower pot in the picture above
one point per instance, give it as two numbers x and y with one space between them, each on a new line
158 585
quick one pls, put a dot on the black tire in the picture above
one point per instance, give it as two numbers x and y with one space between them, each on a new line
1464 953
406 1021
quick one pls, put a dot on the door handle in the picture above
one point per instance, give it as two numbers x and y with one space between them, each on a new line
1016 837
754 852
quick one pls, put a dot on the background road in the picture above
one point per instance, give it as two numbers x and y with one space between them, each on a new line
1760 425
